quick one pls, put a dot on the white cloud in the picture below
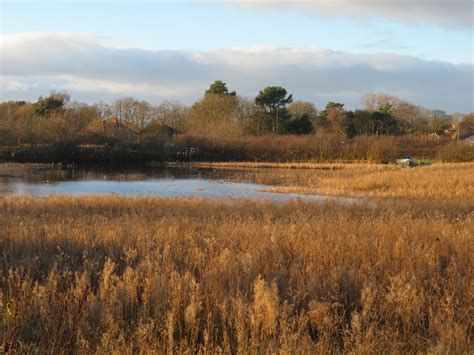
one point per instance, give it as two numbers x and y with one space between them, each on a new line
92 69
15 85
451 13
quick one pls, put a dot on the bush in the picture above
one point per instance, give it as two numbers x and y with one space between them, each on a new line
322 147
457 152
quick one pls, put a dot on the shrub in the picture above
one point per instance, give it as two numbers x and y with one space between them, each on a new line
457 152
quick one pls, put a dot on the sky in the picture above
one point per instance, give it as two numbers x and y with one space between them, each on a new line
320 50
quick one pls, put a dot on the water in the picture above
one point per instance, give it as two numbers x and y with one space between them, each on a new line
152 182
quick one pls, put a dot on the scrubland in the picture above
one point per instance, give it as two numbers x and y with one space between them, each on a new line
116 274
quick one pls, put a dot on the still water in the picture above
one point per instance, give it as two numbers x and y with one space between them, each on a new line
150 182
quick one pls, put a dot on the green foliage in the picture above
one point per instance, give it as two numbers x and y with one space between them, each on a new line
53 103
273 98
383 123
359 122
300 125
386 108
299 108
218 87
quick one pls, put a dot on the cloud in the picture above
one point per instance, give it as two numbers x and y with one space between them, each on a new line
92 69
450 13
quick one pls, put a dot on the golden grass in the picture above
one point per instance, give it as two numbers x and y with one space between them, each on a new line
442 181
453 181
113 274
270 165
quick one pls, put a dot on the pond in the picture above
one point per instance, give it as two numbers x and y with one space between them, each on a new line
165 182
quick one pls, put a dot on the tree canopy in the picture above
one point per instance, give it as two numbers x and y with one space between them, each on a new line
218 87
273 98
219 113
45 106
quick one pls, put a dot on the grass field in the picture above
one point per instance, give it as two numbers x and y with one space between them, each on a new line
115 274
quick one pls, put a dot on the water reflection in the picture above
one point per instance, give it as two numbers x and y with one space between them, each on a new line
147 182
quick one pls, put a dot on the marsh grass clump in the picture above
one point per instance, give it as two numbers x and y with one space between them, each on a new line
452 183
113 274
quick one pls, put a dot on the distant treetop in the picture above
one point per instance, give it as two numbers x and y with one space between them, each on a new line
218 87
55 101
273 97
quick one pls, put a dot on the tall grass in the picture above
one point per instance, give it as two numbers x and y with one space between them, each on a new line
446 182
112 274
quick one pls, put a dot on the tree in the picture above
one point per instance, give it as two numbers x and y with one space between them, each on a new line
333 117
48 105
466 125
409 117
218 87
438 121
299 108
172 113
28 124
374 101
273 100
351 130
383 122
11 116
215 115
300 125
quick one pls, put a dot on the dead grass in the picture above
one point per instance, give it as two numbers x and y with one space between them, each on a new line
269 165
112 274
453 181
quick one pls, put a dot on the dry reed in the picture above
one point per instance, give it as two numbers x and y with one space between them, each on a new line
113 274
449 182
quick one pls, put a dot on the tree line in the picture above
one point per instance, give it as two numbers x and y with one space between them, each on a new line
220 113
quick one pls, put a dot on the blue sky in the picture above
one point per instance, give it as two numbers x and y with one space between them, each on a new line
433 34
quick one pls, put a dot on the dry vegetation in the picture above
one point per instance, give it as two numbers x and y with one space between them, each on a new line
103 274
452 182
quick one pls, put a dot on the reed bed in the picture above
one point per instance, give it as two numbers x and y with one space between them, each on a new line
448 182
114 274
269 165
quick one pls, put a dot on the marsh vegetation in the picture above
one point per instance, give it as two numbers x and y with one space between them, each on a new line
103 274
